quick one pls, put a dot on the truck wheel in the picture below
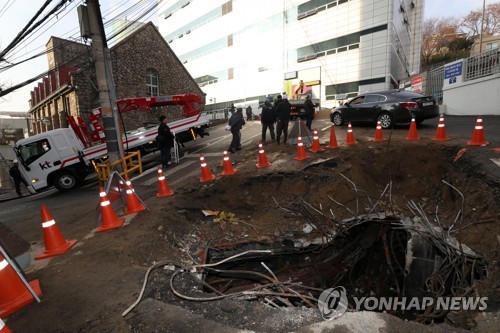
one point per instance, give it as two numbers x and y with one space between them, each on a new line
65 181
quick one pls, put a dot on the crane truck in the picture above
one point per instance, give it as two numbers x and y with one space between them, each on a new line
63 157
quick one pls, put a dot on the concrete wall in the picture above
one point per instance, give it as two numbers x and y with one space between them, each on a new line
477 97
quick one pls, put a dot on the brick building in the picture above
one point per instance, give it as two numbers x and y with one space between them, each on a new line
143 65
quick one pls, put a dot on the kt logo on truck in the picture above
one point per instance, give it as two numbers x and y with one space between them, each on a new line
45 165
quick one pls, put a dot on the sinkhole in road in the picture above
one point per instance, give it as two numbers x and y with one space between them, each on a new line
372 259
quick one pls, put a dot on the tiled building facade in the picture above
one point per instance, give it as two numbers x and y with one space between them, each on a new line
240 50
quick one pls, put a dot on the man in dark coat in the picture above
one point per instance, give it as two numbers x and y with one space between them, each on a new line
276 102
309 111
165 141
16 176
283 117
267 119
236 122
249 112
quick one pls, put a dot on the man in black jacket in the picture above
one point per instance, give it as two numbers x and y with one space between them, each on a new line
236 122
16 176
309 111
283 117
165 141
267 119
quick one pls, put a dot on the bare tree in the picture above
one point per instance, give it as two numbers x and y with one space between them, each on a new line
437 35
471 23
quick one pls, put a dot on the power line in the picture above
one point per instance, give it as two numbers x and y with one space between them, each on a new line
18 38
2 11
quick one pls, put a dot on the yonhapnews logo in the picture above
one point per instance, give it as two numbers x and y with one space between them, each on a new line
332 303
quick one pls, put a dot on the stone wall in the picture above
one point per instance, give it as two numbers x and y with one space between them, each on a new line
132 57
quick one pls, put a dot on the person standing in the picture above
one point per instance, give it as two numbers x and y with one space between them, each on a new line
309 111
16 176
276 102
231 109
236 122
283 110
249 112
267 119
165 141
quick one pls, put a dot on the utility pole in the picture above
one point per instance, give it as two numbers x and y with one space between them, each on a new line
105 84
482 25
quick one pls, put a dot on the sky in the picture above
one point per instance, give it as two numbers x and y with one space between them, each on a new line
15 14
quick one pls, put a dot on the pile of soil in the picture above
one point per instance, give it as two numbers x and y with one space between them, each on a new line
88 290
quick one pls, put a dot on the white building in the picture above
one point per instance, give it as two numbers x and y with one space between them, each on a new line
241 50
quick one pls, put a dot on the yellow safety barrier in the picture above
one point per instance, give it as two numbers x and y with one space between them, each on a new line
129 164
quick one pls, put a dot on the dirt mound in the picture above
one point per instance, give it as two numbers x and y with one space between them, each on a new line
273 206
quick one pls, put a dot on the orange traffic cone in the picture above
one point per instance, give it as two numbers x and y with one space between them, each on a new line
316 145
301 151
4 328
412 133
478 134
134 205
109 219
13 293
228 167
263 162
441 131
163 188
333 139
379 136
55 244
206 175
350 136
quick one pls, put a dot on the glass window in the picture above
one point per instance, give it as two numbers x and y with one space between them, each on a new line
152 83
491 46
32 151
359 100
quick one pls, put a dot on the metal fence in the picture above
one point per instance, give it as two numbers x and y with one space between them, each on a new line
435 79
484 64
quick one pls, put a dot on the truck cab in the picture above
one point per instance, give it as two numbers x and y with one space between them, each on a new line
43 158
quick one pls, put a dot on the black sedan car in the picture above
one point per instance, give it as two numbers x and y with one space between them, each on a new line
388 107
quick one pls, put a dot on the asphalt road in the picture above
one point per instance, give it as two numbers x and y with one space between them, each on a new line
23 215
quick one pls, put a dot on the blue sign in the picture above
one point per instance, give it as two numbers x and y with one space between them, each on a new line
453 70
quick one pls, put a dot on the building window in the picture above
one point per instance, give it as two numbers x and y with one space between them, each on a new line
152 83
491 46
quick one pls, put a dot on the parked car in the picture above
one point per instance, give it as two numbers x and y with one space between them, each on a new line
388 107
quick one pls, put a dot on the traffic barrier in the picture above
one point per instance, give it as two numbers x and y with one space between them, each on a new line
55 244
163 188
301 151
350 136
206 175
440 131
333 139
263 162
316 146
478 134
412 133
228 167
379 136
4 328
134 205
109 219
13 292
